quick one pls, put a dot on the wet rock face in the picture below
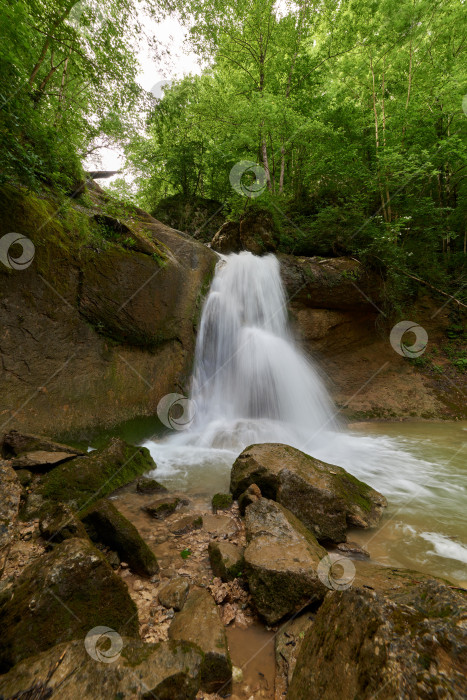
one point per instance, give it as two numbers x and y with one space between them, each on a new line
255 232
107 330
281 561
62 596
227 239
199 623
407 641
107 525
166 671
335 283
326 498
288 642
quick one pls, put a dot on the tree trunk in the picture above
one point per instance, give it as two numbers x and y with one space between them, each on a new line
46 44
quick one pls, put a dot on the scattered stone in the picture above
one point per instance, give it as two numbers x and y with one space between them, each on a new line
113 559
40 461
326 498
237 674
10 496
353 550
185 524
219 525
281 561
226 560
249 496
221 501
164 507
16 443
106 524
166 671
199 623
60 523
85 479
147 485
61 596
174 593
403 640
288 642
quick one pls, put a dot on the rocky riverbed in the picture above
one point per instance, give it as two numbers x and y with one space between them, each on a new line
112 586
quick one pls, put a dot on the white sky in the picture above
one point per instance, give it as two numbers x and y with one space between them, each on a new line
171 34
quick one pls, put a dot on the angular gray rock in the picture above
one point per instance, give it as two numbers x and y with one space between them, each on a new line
199 623
16 443
107 525
226 559
326 498
404 636
166 671
40 460
287 645
174 593
249 496
61 596
281 561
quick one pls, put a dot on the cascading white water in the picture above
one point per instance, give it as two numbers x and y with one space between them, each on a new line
252 383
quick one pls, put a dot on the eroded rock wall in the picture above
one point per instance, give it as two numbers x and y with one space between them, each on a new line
93 335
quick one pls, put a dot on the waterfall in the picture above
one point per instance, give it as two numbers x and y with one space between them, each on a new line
251 382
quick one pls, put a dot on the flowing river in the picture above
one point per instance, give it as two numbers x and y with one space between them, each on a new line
252 383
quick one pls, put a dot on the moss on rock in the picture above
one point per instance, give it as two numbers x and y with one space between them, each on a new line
62 596
325 497
86 479
222 501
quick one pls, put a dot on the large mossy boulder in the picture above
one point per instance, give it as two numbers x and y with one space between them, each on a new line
326 498
406 637
62 596
199 623
281 561
105 524
86 479
166 671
